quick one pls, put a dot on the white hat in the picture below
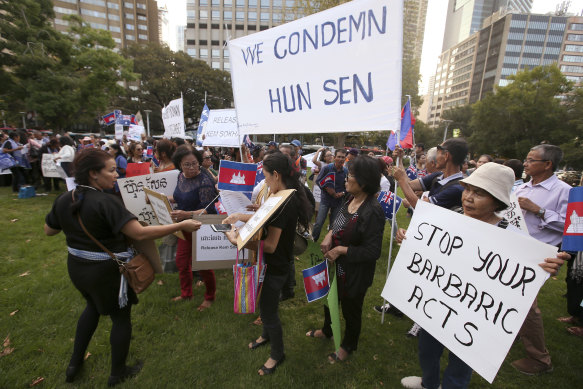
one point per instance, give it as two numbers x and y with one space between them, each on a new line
495 179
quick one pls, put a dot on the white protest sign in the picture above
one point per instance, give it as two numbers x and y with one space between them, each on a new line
309 158
49 168
317 192
71 184
173 118
118 131
213 246
514 214
335 71
221 129
468 283
134 197
135 132
234 202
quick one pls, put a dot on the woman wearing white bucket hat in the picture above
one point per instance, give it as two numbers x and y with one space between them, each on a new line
486 192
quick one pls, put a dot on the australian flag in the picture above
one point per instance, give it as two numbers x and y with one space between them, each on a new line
386 200
109 118
411 172
204 117
573 232
316 281
247 142
327 180
259 176
237 176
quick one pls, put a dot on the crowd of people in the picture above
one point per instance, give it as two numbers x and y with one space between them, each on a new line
348 182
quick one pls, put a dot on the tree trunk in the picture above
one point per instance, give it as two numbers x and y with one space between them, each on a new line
340 139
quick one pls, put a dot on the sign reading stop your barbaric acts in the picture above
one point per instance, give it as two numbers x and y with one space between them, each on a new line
468 283
337 70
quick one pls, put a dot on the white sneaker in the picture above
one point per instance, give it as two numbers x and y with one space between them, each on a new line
412 382
414 331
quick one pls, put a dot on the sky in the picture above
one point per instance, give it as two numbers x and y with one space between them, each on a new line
434 27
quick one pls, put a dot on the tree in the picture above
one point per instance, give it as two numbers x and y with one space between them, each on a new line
526 112
165 75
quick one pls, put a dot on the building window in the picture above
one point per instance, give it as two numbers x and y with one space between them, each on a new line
575 37
142 18
128 5
61 22
572 58
112 5
576 26
204 53
571 69
129 16
226 53
252 16
114 29
264 3
141 5
574 48
252 3
575 79
142 36
130 27
130 37
216 3
116 40
113 17
190 14
277 3
203 14
204 2
228 15
215 65
94 2
240 15
265 16
216 15
191 52
96 14
228 3
227 65
276 18
142 27
290 3
240 3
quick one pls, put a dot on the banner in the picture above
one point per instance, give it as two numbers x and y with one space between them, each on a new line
49 168
237 176
573 232
335 71
468 283
221 129
173 118
316 281
135 132
134 197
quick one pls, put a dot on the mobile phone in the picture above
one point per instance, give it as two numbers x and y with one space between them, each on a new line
221 227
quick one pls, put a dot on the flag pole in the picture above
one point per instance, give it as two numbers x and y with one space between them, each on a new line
393 219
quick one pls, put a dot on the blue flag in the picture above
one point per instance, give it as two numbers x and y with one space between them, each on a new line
204 117
386 200
237 176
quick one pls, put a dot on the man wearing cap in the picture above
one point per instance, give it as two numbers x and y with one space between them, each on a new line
300 163
271 145
543 201
352 153
332 190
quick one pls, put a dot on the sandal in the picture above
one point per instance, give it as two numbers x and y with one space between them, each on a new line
258 321
312 334
270 370
333 357
577 331
568 320
255 344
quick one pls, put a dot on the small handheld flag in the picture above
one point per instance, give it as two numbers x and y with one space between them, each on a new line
109 118
386 200
316 281
411 172
237 176
573 232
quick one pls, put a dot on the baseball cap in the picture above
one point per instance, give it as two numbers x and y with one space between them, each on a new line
296 143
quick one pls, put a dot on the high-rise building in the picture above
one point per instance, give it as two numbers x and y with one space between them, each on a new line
465 17
180 38
128 21
414 13
164 25
571 56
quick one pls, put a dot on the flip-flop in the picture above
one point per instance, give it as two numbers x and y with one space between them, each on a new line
255 344
270 370
568 320
577 331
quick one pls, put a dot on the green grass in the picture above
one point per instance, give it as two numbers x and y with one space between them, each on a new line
183 347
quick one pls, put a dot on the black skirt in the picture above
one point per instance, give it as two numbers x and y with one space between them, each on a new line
98 282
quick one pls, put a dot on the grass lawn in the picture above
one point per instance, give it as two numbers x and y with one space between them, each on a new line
182 347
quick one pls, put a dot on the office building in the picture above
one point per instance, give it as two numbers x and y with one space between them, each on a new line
129 21
180 38
465 17
414 13
571 56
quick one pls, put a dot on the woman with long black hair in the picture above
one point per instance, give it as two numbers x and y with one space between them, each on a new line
278 242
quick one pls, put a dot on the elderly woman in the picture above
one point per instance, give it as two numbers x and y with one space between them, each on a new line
92 271
194 195
354 243
278 250
486 192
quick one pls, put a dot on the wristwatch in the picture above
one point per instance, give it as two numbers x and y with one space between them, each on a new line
541 213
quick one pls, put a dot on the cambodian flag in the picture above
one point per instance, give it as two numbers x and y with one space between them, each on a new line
204 117
406 133
220 208
260 176
411 172
109 118
573 232
327 180
133 119
386 200
237 176
316 281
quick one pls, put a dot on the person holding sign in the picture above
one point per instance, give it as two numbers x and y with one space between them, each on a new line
486 192
194 194
278 250
92 271
354 243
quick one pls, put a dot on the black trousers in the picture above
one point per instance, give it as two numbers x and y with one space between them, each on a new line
268 305
352 313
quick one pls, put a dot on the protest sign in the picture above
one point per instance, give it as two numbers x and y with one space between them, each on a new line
173 118
210 249
221 129
118 131
135 132
468 283
333 71
260 217
514 214
49 168
137 169
234 202
134 197
162 209
573 232
237 176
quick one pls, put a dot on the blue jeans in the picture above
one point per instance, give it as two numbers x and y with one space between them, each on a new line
322 213
457 374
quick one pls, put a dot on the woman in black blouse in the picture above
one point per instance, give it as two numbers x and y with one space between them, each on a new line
277 249
354 243
92 271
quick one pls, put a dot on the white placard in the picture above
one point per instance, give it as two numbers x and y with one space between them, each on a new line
173 118
514 214
49 168
234 202
221 129
213 246
259 216
71 184
135 132
308 158
334 71
449 277
316 191
134 198
119 131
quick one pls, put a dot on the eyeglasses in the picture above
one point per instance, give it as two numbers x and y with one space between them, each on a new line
530 160
206 157
189 165
349 176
